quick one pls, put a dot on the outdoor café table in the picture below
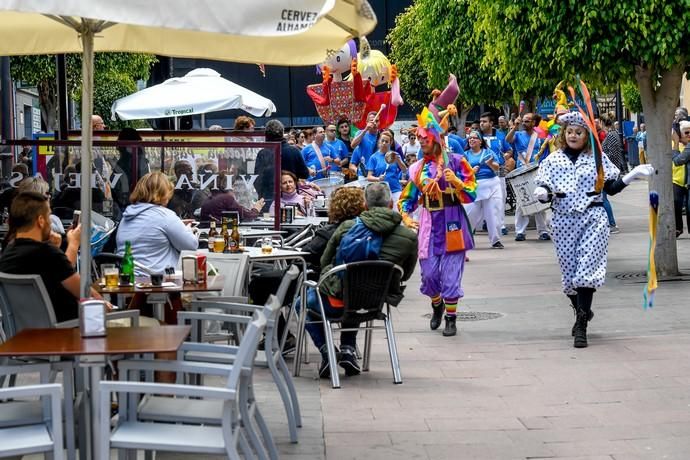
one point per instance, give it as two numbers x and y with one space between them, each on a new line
92 353
255 233
171 286
282 255
297 222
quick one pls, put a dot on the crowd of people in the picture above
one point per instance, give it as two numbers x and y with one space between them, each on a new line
426 191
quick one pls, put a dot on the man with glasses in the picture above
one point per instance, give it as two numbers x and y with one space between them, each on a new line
680 192
526 145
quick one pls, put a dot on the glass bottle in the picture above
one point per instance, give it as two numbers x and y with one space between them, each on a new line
224 233
235 237
128 262
212 234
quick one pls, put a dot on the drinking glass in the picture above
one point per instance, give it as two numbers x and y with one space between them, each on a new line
267 245
111 274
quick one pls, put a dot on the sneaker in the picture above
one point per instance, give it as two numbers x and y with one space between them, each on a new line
519 237
324 369
290 345
613 229
348 361
504 231
497 245
544 237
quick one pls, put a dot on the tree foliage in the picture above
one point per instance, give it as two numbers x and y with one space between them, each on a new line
605 42
115 76
631 97
433 38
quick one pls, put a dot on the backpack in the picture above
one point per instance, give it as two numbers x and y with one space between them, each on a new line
359 243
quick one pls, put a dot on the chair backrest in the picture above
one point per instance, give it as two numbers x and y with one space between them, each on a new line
233 267
25 303
274 305
298 236
246 353
288 278
365 288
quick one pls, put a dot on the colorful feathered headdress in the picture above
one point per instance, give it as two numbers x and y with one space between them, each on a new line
429 127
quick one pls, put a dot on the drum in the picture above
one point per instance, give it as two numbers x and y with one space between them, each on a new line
329 184
522 181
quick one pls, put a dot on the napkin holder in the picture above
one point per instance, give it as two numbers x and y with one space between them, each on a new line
92 318
189 270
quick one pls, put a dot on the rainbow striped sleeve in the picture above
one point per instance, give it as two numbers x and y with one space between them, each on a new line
466 174
409 198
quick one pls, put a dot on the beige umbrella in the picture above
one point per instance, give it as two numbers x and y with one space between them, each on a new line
275 32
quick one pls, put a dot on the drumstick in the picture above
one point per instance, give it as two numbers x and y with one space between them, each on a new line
378 114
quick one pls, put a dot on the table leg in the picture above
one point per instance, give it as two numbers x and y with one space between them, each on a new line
93 377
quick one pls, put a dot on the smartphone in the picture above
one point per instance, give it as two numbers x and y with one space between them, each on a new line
76 217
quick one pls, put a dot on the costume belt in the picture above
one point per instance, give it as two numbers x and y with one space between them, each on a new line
447 199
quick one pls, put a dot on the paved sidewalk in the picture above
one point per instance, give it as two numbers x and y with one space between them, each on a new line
513 387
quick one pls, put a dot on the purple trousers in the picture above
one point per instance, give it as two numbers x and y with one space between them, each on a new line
442 274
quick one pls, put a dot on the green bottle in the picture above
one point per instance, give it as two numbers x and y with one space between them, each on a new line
128 262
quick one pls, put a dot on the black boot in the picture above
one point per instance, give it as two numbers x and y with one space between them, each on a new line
586 294
436 316
580 330
450 329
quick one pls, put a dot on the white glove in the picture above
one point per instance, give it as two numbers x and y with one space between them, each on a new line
541 194
638 172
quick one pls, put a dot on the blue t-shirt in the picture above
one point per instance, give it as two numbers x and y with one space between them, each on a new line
378 166
312 160
521 144
497 142
364 150
480 159
338 150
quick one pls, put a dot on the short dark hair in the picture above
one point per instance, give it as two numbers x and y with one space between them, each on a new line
341 121
21 168
25 209
274 130
488 115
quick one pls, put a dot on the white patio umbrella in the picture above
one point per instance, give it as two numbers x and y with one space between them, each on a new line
199 91
274 32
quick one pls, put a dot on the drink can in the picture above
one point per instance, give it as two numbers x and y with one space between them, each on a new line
201 268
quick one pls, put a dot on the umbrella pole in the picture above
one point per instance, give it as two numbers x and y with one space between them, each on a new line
87 35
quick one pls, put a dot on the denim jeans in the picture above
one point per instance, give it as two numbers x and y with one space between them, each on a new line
316 330
609 211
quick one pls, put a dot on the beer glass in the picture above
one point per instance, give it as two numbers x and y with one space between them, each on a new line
111 275
267 245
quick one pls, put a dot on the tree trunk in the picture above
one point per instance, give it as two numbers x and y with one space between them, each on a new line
461 118
47 98
659 103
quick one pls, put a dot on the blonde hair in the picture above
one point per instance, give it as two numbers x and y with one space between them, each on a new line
153 188
33 184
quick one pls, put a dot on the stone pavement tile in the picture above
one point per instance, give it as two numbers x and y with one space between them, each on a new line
479 452
586 447
460 422
347 438
358 451
399 422
661 447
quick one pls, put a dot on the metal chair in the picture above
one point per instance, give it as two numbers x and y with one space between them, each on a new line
130 433
273 356
25 303
365 292
37 426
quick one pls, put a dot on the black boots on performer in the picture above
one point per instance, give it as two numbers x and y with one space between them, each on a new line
450 329
583 314
436 316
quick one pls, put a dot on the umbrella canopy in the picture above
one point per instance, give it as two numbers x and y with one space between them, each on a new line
200 91
272 32
278 32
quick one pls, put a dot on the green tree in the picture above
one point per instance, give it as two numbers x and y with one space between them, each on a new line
631 97
604 42
433 38
115 76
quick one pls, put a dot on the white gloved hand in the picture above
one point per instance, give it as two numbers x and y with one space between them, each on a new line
541 194
638 172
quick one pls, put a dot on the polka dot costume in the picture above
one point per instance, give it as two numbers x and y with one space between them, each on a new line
580 229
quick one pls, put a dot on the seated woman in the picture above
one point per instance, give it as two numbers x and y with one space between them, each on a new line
290 195
156 233
346 203
222 199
